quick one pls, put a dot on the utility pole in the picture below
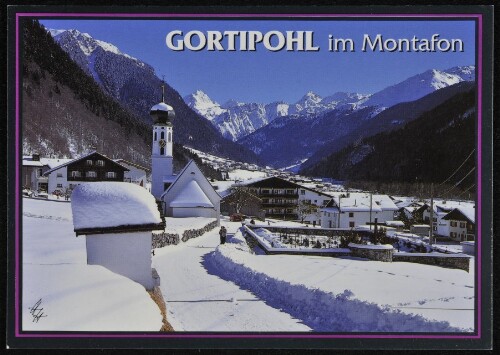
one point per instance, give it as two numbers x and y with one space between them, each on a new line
431 233
371 199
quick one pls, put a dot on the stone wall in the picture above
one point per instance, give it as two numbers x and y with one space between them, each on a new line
163 239
193 233
160 240
372 252
454 261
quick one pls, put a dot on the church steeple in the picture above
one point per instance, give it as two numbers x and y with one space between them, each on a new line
162 147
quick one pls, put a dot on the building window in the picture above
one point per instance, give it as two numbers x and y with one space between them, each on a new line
111 175
88 162
59 186
59 175
162 135
351 214
40 172
351 224
162 151
91 174
290 192
453 235
169 137
302 192
434 228
156 137
265 192
462 224
75 174
100 163
434 219
453 223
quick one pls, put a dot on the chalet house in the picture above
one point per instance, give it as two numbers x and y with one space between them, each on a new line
283 199
349 210
452 219
244 202
136 173
90 167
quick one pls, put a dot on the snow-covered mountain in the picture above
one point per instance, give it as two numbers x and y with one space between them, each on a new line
420 85
94 57
136 87
236 120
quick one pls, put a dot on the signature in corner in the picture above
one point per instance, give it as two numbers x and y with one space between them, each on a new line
36 311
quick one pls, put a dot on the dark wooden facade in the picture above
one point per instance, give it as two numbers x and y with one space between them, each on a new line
280 198
95 167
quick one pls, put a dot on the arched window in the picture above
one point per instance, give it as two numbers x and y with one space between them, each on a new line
162 151
162 136
169 137
155 137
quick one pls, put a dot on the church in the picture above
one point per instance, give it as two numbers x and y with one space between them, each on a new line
188 194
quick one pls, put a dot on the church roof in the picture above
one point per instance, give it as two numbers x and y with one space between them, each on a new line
191 196
162 107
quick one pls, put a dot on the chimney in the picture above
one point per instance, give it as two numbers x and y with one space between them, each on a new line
35 157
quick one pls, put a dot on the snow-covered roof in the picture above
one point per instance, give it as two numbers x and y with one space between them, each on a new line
466 208
169 178
137 166
28 161
360 202
395 223
162 107
108 205
191 196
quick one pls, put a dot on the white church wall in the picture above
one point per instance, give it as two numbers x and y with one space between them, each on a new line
194 212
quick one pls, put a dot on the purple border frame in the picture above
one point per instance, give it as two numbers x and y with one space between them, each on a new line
17 271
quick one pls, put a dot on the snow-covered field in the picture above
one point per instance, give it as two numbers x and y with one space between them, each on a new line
74 296
349 294
212 287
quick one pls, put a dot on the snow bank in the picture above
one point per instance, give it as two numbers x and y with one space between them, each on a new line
86 298
112 204
320 310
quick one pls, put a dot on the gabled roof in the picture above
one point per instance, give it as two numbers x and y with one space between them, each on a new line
120 161
191 196
183 171
458 215
82 158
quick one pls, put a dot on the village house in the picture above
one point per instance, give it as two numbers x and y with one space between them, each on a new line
352 209
34 166
91 167
283 199
136 173
453 219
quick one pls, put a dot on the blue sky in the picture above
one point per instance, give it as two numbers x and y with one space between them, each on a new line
264 76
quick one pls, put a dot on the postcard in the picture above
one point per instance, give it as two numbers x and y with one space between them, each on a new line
250 178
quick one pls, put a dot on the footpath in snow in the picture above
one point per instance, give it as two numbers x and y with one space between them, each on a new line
350 294
199 300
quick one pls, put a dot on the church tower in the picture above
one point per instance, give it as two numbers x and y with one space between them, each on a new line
162 150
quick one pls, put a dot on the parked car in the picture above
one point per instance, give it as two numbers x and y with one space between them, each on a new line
236 217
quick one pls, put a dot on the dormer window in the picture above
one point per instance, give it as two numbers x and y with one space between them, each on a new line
100 163
88 162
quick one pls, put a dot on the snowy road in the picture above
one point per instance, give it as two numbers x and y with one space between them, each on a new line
199 301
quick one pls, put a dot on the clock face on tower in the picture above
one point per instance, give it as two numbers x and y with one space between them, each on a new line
162 143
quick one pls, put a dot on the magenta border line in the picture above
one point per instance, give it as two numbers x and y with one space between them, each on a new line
18 332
